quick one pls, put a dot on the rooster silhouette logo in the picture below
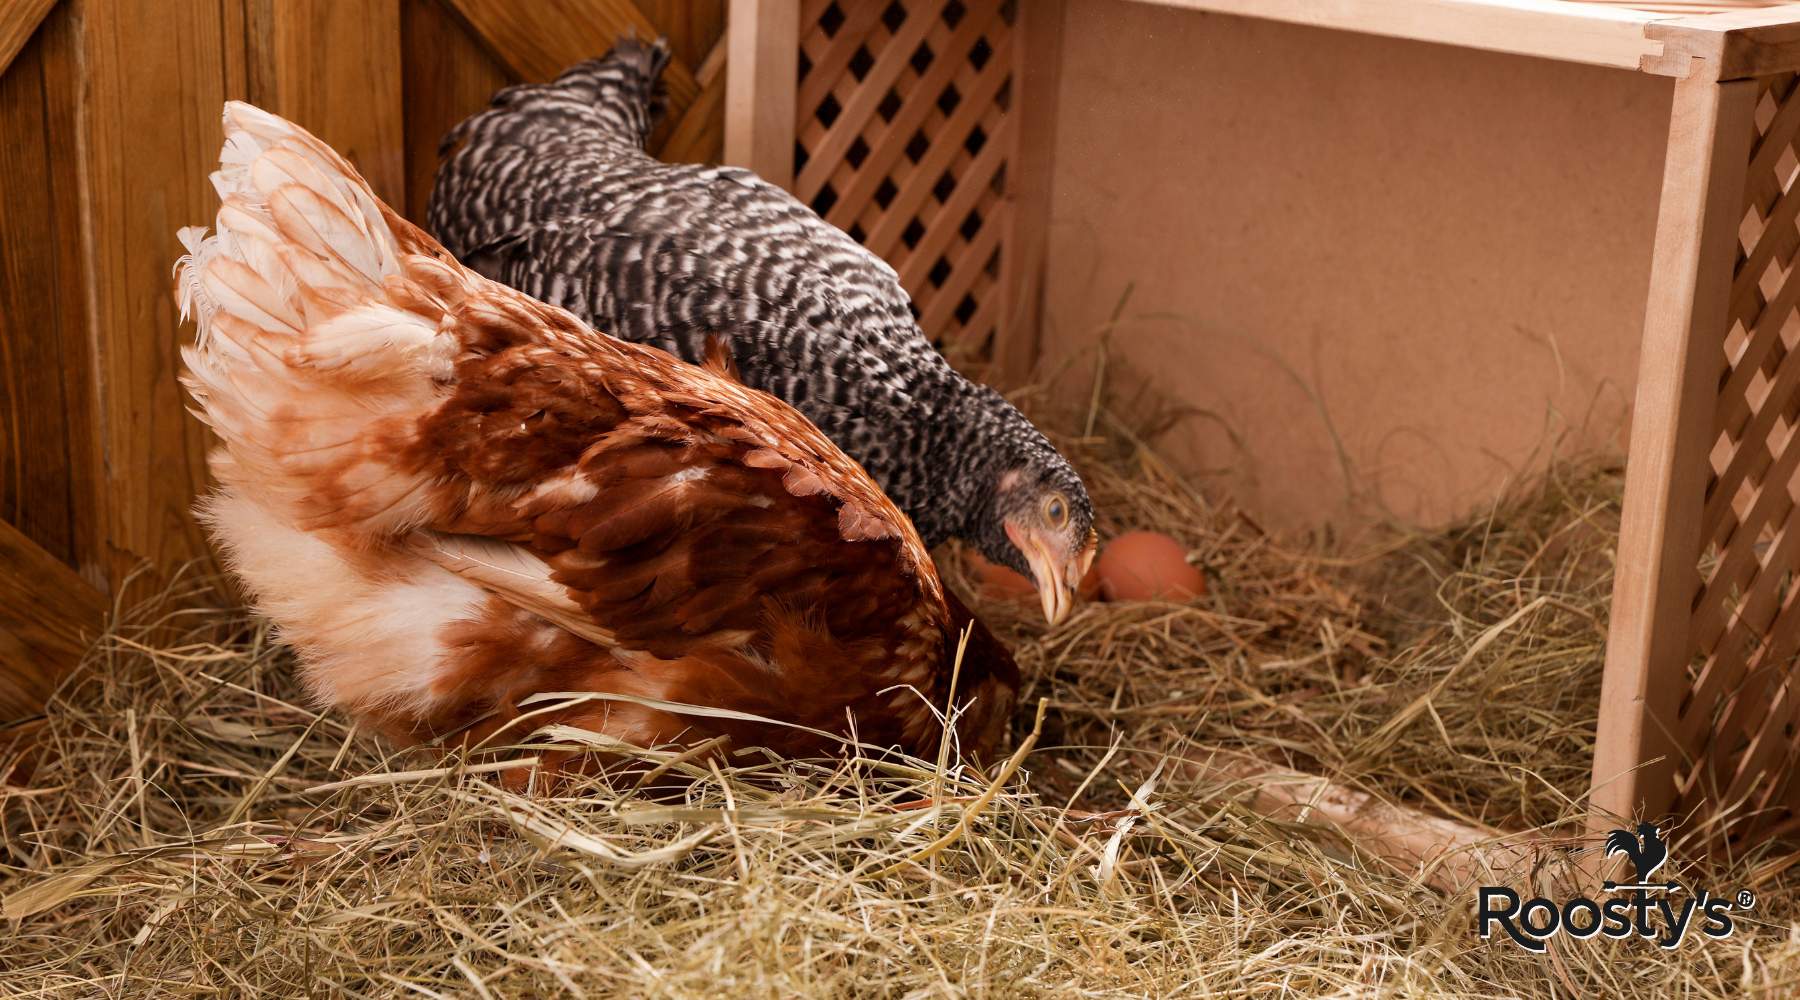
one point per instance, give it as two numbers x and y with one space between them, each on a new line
1646 852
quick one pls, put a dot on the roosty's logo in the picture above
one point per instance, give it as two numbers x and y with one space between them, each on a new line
1534 921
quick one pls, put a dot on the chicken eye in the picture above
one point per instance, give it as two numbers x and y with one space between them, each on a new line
1056 510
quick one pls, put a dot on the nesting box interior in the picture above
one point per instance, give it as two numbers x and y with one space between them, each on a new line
1387 275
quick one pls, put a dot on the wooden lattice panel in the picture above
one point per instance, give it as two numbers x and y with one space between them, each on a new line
1737 722
903 141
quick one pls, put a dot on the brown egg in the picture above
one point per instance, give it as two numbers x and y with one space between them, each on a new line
1146 566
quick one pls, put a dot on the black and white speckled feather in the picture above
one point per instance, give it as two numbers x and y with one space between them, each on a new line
550 191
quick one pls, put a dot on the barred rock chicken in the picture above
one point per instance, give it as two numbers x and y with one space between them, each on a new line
551 192
450 497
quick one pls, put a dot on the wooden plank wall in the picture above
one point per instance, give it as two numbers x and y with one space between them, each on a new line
109 114
456 53
155 75
54 557
47 462
335 66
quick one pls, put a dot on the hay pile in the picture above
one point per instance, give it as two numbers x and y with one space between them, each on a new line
194 830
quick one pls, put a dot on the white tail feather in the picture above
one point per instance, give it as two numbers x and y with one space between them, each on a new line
321 344
302 363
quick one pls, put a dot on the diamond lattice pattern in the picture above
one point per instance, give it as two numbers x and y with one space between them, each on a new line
903 140
1737 722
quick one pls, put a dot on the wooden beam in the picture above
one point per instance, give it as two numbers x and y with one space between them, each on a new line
1657 574
48 616
1037 62
762 74
1728 46
693 28
539 40
333 67
157 74
18 20
699 136
1446 854
1597 34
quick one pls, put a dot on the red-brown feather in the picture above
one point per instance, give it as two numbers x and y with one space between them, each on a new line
628 523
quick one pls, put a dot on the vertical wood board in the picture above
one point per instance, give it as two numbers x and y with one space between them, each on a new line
762 67
334 68
37 418
157 74
1648 646
1037 56
447 76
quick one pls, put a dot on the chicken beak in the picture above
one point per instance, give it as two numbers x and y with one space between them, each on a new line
1056 596
1055 583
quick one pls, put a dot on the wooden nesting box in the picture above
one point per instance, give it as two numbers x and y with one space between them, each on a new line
109 125
987 148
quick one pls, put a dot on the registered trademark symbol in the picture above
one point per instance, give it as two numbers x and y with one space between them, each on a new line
1746 899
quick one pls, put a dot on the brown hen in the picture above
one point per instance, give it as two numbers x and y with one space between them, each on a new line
451 497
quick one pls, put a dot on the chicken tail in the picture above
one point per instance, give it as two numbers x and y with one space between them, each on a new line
626 86
312 360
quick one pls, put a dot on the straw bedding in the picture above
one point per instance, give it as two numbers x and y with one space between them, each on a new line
193 829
